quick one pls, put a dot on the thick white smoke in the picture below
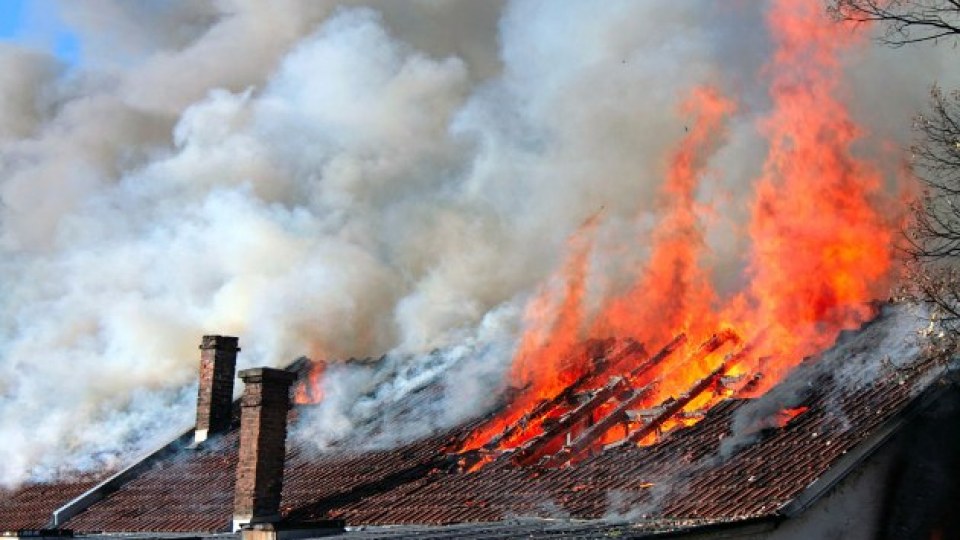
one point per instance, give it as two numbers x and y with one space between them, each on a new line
333 180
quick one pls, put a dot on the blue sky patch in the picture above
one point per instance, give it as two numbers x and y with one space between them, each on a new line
38 26
11 18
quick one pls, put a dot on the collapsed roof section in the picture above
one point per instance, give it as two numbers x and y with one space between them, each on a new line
744 459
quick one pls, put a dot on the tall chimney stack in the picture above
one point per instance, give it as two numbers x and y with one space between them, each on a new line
263 434
218 360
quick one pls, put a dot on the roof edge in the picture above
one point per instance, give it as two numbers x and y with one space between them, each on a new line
722 529
652 529
100 491
946 380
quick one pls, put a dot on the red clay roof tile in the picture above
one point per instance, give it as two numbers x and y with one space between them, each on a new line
688 474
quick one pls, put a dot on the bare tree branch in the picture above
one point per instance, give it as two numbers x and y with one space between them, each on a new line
905 21
933 240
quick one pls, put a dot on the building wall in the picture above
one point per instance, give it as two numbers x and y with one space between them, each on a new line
922 499
853 509
908 489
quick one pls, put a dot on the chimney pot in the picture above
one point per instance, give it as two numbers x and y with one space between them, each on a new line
263 433
218 361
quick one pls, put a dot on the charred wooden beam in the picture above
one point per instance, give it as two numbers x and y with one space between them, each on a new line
594 432
715 342
529 451
587 438
735 386
619 414
673 406
543 407
615 362
601 364
666 351
667 410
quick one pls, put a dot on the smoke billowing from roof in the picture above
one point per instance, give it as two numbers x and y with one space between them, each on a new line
332 180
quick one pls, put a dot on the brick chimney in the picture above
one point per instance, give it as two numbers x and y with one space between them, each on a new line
218 360
263 434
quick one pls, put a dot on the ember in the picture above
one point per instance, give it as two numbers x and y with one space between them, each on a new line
786 415
820 253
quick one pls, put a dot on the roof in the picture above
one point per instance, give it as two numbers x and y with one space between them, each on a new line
29 506
738 463
509 528
555 528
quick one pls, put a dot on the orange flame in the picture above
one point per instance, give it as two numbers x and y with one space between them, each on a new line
821 243
309 390
784 416
545 361
674 293
544 357
820 252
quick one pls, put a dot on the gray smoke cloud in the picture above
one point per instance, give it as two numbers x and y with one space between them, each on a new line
343 179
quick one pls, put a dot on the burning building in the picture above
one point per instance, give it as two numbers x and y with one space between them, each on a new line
650 265
860 441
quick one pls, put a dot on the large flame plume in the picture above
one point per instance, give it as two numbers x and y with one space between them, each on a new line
347 179
821 251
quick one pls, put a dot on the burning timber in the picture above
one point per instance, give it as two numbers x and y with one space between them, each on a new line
709 462
560 429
